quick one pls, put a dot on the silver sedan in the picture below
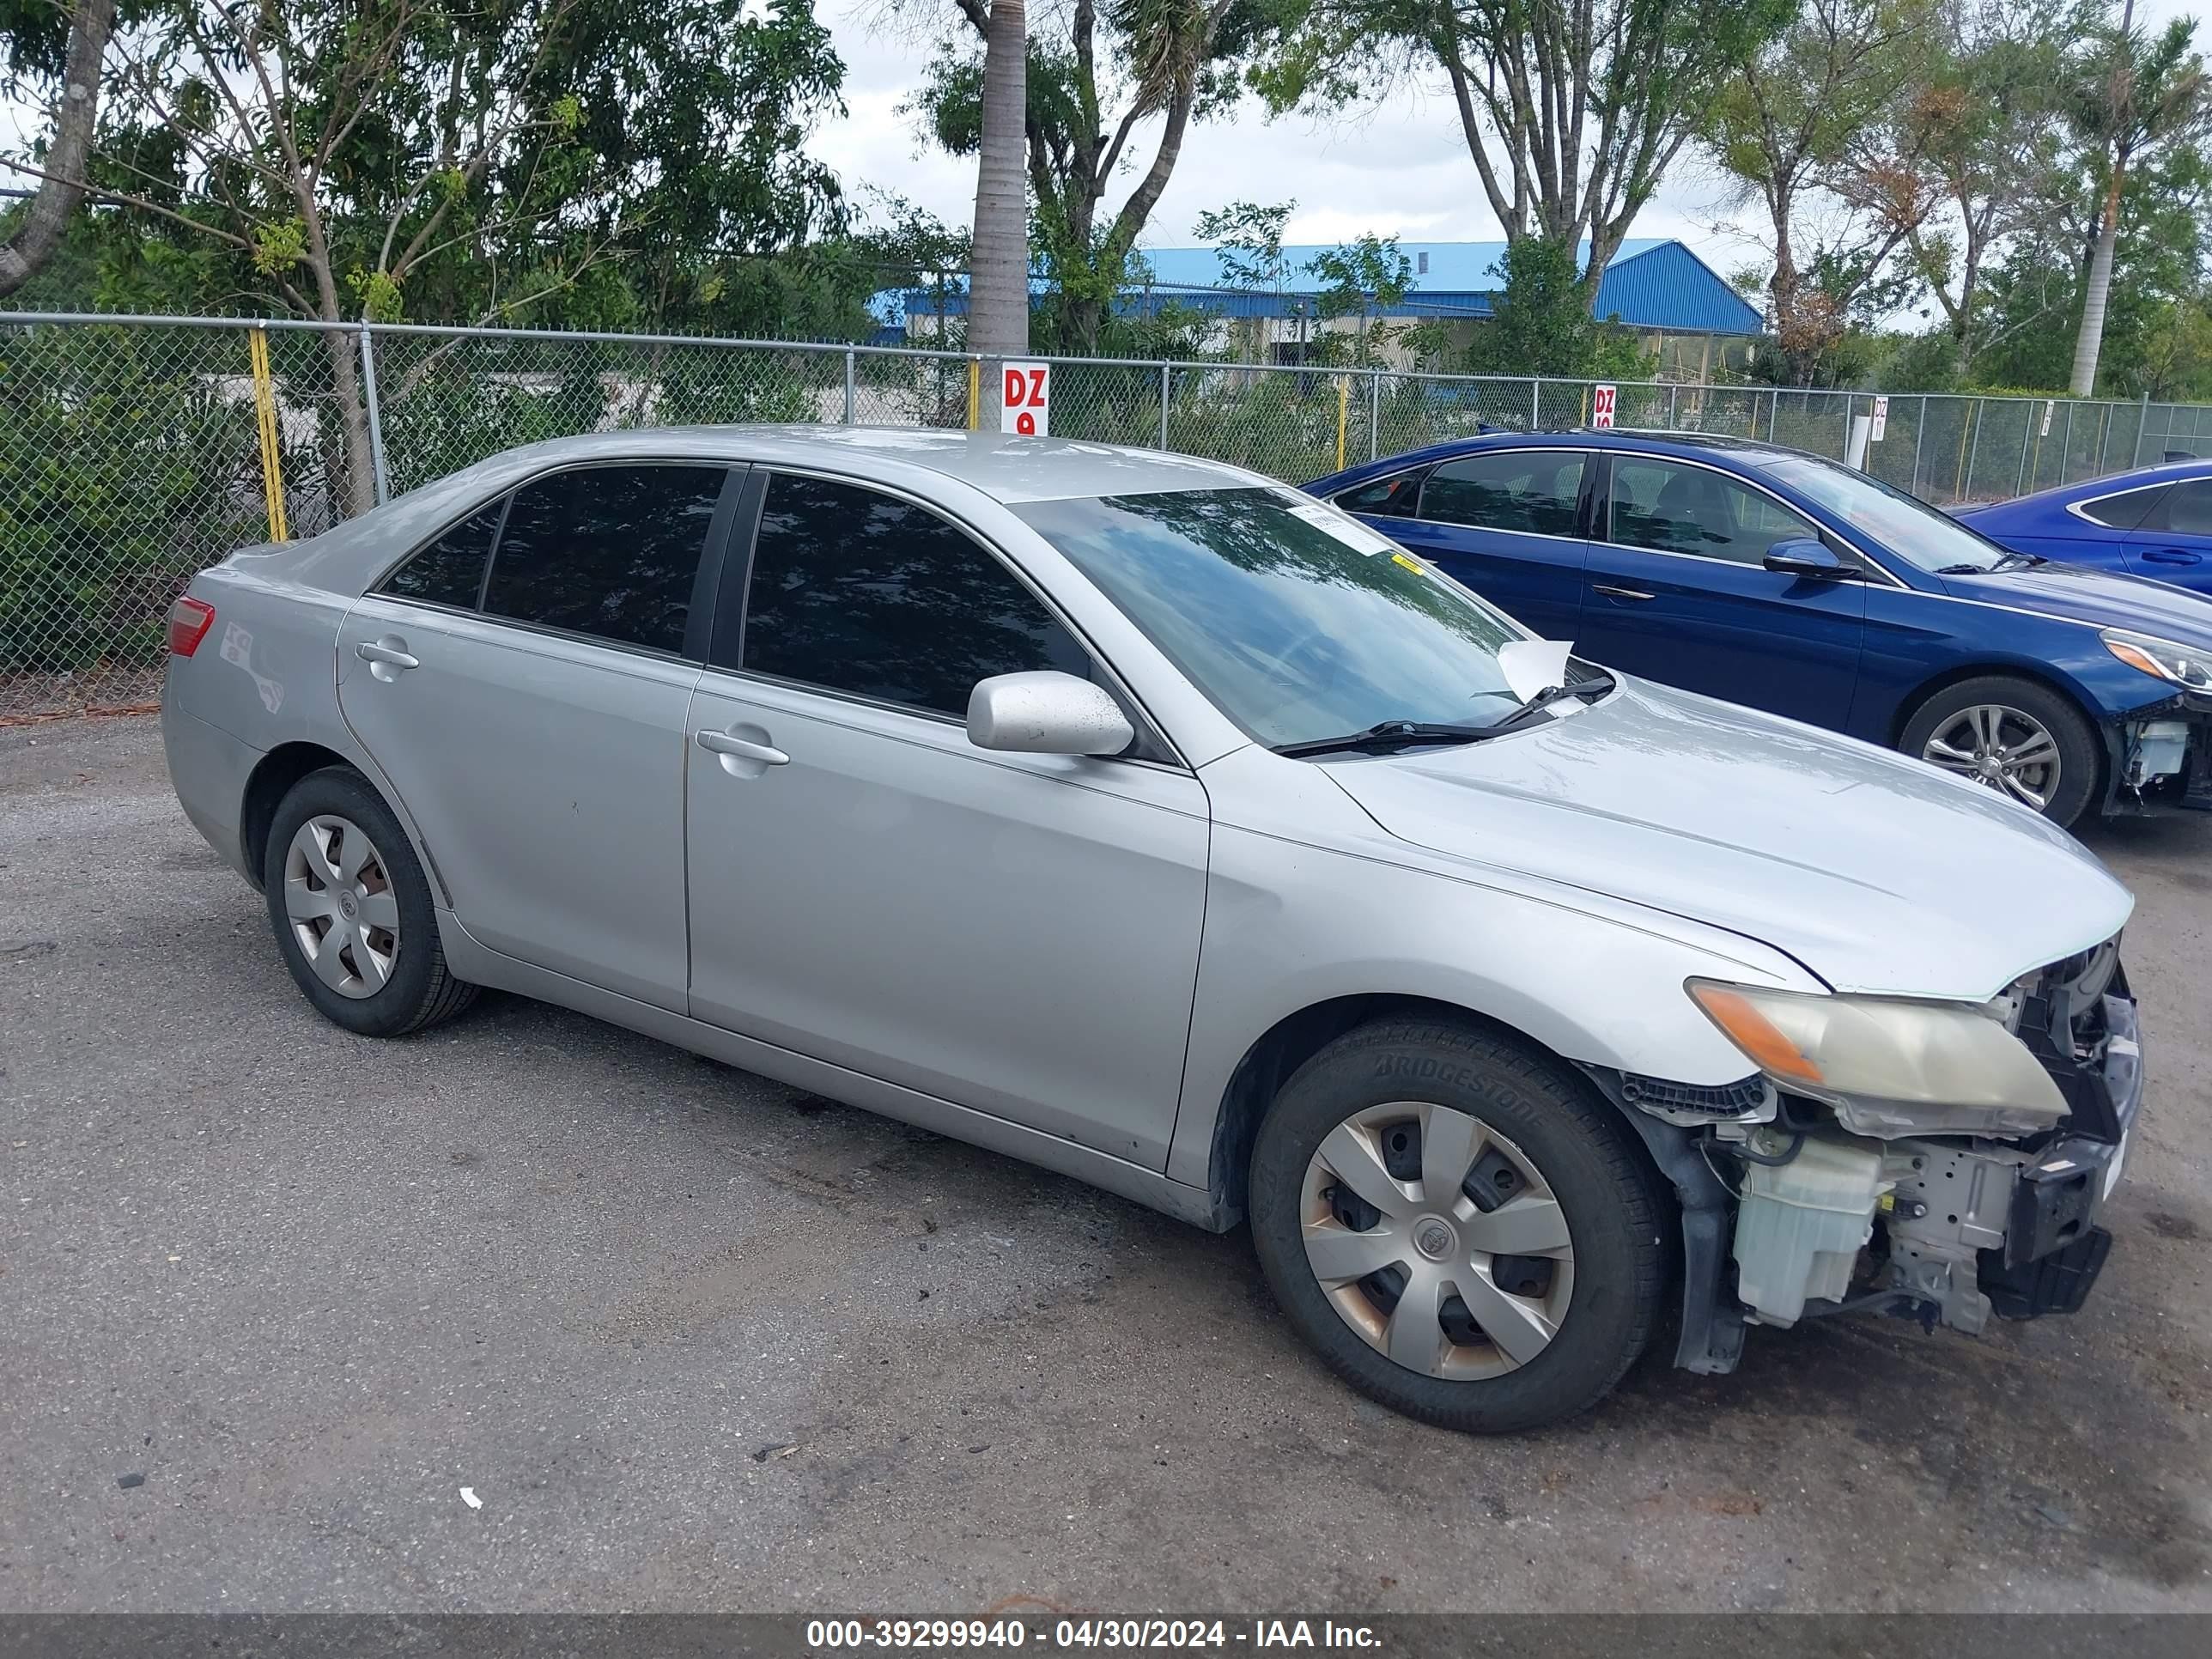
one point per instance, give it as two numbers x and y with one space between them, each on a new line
1142 818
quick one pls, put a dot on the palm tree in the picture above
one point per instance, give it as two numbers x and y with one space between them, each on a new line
2141 93
999 266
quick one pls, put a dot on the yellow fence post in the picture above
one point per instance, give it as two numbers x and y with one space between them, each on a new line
1343 416
264 412
974 392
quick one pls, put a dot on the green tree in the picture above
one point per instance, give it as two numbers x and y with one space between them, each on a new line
340 158
1362 278
1971 149
1541 323
1248 239
1572 111
2139 94
2026 325
38 232
1095 84
1787 128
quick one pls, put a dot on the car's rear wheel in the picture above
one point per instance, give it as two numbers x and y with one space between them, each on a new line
1457 1227
2014 736
352 912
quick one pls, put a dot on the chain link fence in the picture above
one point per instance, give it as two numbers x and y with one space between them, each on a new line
130 448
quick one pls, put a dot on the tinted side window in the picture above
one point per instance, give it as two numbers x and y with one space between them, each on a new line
2186 510
865 593
450 571
1393 497
1534 490
2125 510
607 551
1688 509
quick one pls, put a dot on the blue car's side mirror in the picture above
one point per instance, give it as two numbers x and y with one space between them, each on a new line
1801 555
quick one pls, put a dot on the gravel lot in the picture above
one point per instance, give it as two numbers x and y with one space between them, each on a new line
695 1341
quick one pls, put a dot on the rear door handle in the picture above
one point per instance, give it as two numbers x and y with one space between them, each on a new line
2170 556
721 743
1613 592
387 658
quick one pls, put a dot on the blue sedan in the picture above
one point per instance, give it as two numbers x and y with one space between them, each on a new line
1774 578
2155 521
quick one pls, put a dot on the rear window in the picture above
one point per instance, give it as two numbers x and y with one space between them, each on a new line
611 552
2186 510
1537 492
2124 511
450 571
1393 497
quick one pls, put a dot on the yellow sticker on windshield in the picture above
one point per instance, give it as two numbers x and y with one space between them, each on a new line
1414 565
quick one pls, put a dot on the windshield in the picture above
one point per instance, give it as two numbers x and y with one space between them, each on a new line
1297 621
1923 535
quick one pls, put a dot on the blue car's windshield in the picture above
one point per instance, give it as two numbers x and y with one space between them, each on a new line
1897 523
1298 621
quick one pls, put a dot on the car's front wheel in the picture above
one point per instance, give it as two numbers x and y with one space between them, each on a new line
2015 736
352 912
1455 1225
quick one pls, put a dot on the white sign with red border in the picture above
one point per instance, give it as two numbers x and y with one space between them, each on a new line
1602 400
1025 404
1881 420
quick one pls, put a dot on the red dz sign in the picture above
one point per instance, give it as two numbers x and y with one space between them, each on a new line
1025 399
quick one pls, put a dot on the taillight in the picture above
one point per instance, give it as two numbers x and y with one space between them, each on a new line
189 622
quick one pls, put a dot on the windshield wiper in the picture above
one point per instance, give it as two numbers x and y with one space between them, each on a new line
2013 561
1386 737
1965 569
1588 686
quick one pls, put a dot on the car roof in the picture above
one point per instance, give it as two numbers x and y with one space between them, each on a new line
2114 484
1654 441
1002 466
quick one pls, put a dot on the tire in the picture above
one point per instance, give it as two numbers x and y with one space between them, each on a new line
1579 1319
2023 706
377 980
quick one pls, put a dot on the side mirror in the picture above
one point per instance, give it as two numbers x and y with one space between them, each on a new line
1046 713
1801 555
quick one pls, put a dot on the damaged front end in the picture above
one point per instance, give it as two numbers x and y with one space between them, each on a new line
2165 758
1797 1205
2160 754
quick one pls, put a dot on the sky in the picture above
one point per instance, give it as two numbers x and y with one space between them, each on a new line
1403 170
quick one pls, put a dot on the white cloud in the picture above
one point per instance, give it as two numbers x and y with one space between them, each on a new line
1401 170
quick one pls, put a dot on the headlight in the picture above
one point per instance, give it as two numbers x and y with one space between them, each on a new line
2162 659
1889 1067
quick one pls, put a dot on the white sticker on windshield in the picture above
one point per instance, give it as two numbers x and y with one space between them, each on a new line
1353 533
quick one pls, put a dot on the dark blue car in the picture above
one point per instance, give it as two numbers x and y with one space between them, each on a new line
2155 521
1777 579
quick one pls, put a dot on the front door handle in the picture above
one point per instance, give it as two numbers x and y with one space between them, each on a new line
1613 592
721 743
2170 556
387 658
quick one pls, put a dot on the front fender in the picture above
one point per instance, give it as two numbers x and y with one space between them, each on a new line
1290 926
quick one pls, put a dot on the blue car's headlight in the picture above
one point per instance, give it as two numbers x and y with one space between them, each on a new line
2163 659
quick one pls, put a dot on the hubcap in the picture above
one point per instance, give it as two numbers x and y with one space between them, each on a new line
339 903
2001 748
1437 1240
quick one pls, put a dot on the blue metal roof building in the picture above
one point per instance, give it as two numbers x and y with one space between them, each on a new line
1652 284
